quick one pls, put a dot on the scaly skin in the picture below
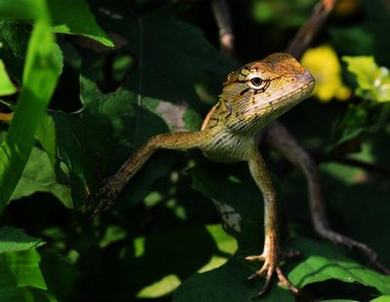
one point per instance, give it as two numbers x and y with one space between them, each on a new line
252 97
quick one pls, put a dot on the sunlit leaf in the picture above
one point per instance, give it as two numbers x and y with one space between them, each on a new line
324 262
373 81
15 240
74 17
22 279
6 86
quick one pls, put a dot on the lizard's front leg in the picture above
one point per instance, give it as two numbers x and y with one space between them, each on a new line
271 252
115 183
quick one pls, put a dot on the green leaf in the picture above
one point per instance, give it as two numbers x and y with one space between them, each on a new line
15 240
74 17
324 262
6 86
38 176
39 80
28 276
226 283
21 278
373 81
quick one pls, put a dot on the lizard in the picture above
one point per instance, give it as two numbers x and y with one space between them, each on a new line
252 97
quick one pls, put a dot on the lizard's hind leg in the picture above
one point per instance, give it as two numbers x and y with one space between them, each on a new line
278 137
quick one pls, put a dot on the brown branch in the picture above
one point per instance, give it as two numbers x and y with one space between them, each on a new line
224 22
305 35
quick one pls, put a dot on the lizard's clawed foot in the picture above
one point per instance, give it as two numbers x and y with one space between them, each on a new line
271 259
106 197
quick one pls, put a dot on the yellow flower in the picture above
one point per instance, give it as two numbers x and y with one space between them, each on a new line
325 66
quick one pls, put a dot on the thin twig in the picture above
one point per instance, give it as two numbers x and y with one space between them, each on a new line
305 35
224 22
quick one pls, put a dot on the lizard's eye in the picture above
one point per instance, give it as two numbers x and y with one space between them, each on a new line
256 81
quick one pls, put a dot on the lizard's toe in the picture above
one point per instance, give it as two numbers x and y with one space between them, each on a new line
106 197
271 267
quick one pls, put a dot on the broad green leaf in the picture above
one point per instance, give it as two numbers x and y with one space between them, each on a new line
21 278
74 17
227 283
373 81
324 262
39 176
15 240
28 276
6 86
39 79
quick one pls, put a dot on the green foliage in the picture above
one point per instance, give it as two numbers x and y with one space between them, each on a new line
373 86
182 227
44 181
15 240
6 86
24 273
73 17
39 78
373 81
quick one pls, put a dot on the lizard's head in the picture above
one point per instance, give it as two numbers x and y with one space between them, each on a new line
263 90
